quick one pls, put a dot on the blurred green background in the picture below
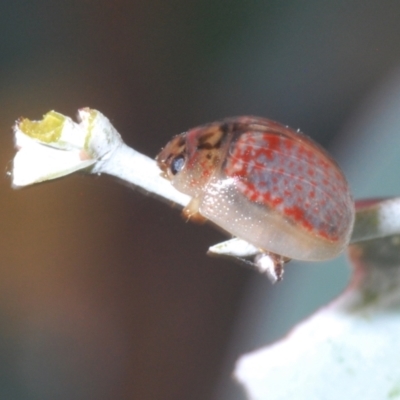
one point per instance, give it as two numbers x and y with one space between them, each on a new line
106 293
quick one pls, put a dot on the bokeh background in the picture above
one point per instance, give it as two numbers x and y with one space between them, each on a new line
106 293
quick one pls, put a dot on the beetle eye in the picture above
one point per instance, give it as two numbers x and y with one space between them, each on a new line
177 164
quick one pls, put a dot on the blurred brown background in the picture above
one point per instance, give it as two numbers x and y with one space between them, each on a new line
106 293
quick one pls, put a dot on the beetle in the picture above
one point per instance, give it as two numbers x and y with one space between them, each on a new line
265 183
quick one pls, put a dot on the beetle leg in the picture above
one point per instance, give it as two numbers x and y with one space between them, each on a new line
191 211
271 264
